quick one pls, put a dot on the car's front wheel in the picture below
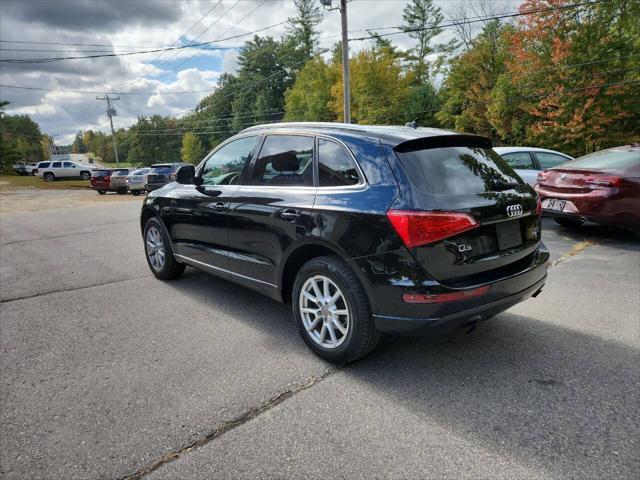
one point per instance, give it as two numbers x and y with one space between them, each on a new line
332 310
158 251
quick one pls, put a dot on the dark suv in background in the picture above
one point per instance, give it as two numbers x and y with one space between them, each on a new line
160 174
363 229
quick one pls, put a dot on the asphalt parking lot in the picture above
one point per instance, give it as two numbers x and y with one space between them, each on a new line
109 373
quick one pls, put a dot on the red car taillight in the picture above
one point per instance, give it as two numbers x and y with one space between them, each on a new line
538 206
417 228
446 297
604 181
543 176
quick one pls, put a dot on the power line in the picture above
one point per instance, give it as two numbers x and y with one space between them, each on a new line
182 47
223 33
483 19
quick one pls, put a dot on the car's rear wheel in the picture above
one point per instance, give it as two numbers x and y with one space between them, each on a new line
157 248
568 222
85 175
102 192
332 310
135 192
49 177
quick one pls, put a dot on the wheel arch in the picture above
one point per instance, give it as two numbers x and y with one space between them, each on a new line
302 253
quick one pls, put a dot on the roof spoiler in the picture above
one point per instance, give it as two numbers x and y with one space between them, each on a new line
441 141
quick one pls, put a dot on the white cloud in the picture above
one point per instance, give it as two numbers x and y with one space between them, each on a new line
148 25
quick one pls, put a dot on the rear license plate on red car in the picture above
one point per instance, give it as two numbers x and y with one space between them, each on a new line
509 235
554 204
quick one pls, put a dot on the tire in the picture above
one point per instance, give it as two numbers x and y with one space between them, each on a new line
49 177
121 191
360 336
102 192
135 192
164 267
568 222
85 175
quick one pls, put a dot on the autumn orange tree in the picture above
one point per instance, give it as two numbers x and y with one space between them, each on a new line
569 77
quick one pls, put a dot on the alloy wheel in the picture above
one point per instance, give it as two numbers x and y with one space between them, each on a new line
324 312
155 249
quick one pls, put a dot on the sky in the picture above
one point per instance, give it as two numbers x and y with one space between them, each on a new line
147 83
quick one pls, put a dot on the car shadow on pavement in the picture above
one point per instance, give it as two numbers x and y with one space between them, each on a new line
615 237
560 399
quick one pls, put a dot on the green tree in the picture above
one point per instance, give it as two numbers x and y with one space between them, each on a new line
191 151
20 140
467 91
302 35
422 21
78 145
310 97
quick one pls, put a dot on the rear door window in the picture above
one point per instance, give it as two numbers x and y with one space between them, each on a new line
519 160
456 170
550 160
284 160
336 167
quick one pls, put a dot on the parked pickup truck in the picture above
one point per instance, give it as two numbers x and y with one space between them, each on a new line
25 168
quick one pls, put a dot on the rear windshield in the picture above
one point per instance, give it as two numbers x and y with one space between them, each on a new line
612 159
120 172
456 170
141 171
101 173
161 169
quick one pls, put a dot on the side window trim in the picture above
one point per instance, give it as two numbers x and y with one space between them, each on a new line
362 182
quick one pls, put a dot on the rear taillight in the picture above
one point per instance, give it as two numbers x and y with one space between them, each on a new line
172 177
417 228
446 297
604 181
538 206
543 176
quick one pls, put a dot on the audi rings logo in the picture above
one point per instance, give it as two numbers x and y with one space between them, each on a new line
514 210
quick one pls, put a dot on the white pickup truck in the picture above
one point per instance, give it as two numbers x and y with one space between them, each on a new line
51 170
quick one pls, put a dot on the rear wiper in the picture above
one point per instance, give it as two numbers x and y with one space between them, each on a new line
500 185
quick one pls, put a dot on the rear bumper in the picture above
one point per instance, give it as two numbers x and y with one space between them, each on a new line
393 315
462 318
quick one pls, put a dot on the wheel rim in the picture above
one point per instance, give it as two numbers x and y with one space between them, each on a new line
155 249
324 312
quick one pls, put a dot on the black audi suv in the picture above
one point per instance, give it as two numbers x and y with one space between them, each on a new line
364 229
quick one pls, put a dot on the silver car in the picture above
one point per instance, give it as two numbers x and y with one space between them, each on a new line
529 161
136 180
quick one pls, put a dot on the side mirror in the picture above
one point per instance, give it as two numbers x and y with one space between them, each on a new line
186 175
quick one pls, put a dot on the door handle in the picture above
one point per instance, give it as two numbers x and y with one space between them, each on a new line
289 215
219 206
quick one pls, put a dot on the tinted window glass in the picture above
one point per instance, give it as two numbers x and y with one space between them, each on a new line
56 164
620 158
456 170
520 160
284 160
335 165
225 165
118 173
550 160
101 173
68 165
43 165
142 171
160 170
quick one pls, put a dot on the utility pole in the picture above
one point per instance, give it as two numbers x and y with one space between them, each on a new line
346 89
111 112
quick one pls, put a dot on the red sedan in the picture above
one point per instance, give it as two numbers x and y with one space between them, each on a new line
602 187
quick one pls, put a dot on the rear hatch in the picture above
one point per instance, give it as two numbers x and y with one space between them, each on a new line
473 219
100 177
159 174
